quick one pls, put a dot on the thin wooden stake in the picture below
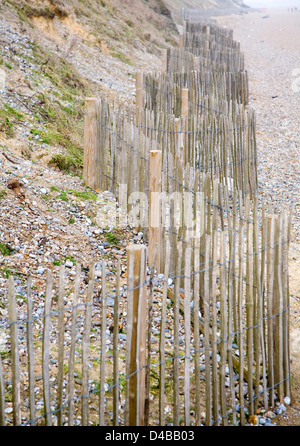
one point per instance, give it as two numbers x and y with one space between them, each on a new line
46 346
86 347
249 306
285 284
277 309
137 349
14 352
196 290
90 156
103 347
162 358
164 64
139 90
223 346
208 384
185 117
240 317
72 348
176 397
187 329
270 278
2 396
215 387
154 208
61 336
116 390
30 352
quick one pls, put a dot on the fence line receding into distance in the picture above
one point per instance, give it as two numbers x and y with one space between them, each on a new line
194 329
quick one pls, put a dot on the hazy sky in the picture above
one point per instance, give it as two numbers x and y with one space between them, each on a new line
272 3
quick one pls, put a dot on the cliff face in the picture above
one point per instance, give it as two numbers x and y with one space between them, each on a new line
57 52
54 54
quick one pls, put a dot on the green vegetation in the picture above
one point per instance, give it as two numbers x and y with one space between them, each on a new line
85 195
5 249
12 112
8 117
62 110
112 237
122 58
63 196
67 163
50 137
62 261
6 272
3 193
26 11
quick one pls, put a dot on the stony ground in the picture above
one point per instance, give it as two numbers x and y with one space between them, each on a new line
270 41
55 216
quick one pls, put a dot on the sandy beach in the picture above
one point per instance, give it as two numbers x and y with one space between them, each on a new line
270 41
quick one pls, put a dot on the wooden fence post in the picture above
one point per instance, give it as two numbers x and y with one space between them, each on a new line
61 336
15 362
71 362
154 207
90 156
86 346
196 62
116 390
103 347
164 62
178 137
139 101
286 304
277 309
136 341
46 349
180 40
2 396
270 285
185 117
30 351
207 31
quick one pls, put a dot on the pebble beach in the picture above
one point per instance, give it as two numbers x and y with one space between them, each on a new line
270 41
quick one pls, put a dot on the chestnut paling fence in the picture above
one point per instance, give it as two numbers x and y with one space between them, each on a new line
197 329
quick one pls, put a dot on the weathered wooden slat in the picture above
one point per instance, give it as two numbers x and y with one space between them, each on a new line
162 358
187 330
86 347
61 347
116 389
72 348
137 350
14 352
46 349
30 351
207 332
103 346
2 396
175 297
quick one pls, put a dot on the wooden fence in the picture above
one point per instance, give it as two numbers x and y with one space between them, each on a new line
204 309
69 365
238 341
